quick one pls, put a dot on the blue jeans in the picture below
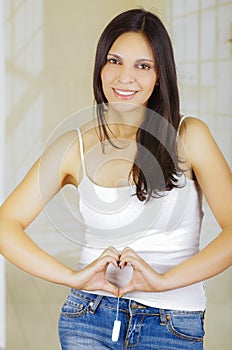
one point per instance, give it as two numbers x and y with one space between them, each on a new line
86 322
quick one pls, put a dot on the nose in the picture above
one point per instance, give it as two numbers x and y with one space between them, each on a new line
126 75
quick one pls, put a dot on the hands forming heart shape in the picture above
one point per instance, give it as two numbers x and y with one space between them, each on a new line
144 278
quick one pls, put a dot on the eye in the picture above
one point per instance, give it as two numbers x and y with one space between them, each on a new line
144 66
113 60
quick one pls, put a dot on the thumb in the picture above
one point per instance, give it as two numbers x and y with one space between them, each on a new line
108 287
126 289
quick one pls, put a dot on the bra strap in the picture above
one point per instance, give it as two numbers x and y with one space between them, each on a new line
81 151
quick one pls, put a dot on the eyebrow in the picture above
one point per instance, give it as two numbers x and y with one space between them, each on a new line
142 59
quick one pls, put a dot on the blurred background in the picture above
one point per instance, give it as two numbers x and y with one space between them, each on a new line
47 51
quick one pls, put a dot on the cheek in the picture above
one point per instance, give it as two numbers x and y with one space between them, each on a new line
103 76
107 75
104 81
150 83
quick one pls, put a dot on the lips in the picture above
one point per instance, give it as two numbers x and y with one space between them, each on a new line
124 94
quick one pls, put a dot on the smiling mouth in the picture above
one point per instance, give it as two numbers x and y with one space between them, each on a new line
124 93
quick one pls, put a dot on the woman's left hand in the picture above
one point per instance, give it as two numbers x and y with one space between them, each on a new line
144 277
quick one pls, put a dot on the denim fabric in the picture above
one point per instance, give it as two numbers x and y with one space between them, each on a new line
86 322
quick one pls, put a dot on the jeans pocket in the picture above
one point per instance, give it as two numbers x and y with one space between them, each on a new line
74 307
186 325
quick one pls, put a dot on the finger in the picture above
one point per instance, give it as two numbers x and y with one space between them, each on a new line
132 258
128 252
129 260
104 261
123 264
111 251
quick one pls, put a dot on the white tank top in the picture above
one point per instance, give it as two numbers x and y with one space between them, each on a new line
164 232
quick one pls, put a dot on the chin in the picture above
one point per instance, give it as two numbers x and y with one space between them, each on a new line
124 106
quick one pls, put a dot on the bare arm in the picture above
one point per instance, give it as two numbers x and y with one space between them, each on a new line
58 166
215 180
214 177
43 181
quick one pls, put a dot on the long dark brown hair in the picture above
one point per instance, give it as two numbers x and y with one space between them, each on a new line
155 167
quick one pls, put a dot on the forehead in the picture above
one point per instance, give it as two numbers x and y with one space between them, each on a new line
132 43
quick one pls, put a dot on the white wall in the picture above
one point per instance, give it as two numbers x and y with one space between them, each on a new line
201 33
2 152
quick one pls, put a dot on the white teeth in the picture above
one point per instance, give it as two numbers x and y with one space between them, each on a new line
125 93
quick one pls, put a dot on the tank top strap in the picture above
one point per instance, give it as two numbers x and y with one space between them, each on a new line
81 151
179 126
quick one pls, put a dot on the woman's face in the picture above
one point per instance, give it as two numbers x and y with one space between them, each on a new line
129 76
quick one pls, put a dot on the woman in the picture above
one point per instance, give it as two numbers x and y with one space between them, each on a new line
140 169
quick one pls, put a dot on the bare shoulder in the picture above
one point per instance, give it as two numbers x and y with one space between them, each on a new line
195 136
192 126
89 133
62 155
203 152
210 167
71 141
65 145
63 141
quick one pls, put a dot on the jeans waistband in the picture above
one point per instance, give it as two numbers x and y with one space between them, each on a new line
126 304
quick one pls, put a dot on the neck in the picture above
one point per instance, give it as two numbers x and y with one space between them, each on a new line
124 124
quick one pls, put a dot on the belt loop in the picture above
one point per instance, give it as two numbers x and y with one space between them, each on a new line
163 319
93 305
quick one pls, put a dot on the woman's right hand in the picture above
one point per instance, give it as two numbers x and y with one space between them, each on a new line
93 276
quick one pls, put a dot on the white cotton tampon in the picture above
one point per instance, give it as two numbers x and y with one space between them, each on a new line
116 330
117 326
